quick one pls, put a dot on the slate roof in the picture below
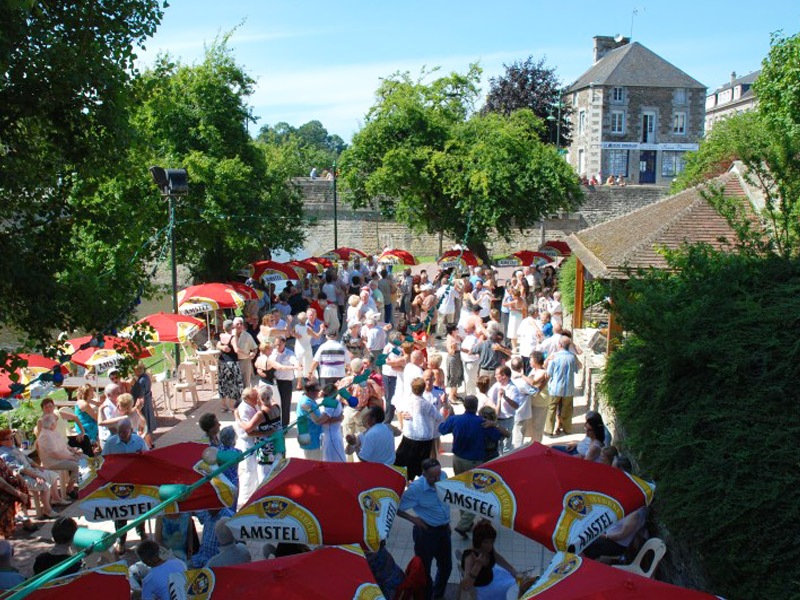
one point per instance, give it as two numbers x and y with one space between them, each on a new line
634 65
631 241
748 79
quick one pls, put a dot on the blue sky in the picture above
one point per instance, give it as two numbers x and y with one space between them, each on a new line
315 60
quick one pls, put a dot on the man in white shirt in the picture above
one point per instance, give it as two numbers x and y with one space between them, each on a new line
249 476
484 297
332 358
504 398
246 350
285 370
330 313
523 413
376 444
373 335
411 371
555 309
446 295
528 336
156 583
471 361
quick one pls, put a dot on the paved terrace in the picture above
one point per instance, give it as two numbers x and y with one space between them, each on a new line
523 553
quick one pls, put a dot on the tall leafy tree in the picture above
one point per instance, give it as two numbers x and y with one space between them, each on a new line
241 205
310 145
66 69
533 85
767 142
427 159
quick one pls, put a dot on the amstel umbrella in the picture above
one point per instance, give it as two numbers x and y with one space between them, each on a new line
247 292
344 254
269 270
562 248
455 258
168 327
397 257
558 500
37 364
306 266
570 577
312 502
121 486
325 262
215 295
524 258
100 357
108 581
339 572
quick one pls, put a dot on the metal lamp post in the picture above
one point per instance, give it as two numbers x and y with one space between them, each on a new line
335 210
171 183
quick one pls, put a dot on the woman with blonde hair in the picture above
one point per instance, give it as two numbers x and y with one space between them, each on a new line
127 407
86 410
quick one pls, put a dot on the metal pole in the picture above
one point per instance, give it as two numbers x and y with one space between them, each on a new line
174 271
558 123
335 211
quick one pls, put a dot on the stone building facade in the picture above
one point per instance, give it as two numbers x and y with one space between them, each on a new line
634 115
368 231
733 98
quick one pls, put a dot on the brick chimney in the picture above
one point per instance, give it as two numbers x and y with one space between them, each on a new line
733 78
603 44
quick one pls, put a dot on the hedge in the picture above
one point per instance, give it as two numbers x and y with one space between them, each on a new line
706 388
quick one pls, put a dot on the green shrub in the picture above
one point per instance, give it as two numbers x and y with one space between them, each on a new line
706 390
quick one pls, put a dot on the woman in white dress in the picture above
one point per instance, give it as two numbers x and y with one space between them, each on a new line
516 311
332 440
302 347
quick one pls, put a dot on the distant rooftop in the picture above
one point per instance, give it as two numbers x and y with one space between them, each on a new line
748 79
635 65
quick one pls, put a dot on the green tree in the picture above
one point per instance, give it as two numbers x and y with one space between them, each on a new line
66 75
531 84
240 205
767 142
427 159
310 145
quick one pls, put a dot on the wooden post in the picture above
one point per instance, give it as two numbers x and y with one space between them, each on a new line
577 312
614 329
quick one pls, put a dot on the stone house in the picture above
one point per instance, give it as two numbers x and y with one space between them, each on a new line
634 114
731 99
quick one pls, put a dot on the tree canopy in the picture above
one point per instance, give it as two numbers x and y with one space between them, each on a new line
308 146
767 142
429 160
66 71
533 85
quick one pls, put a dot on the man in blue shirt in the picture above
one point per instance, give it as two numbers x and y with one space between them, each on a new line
125 442
470 433
431 525
561 369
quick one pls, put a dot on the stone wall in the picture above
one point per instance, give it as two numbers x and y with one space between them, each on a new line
367 230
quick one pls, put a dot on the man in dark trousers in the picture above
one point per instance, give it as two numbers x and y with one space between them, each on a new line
431 521
470 433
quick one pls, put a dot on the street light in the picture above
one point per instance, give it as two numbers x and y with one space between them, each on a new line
171 183
335 209
558 105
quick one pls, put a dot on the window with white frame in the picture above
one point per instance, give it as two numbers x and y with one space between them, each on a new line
680 96
679 123
618 121
582 121
618 163
618 94
672 163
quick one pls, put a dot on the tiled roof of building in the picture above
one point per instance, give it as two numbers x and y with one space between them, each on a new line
635 65
632 241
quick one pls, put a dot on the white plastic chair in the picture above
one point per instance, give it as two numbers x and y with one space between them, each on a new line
165 398
208 367
186 382
654 545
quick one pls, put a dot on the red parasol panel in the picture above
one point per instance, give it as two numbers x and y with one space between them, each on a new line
556 499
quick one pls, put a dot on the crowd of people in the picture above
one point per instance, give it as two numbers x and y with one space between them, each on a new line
489 362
